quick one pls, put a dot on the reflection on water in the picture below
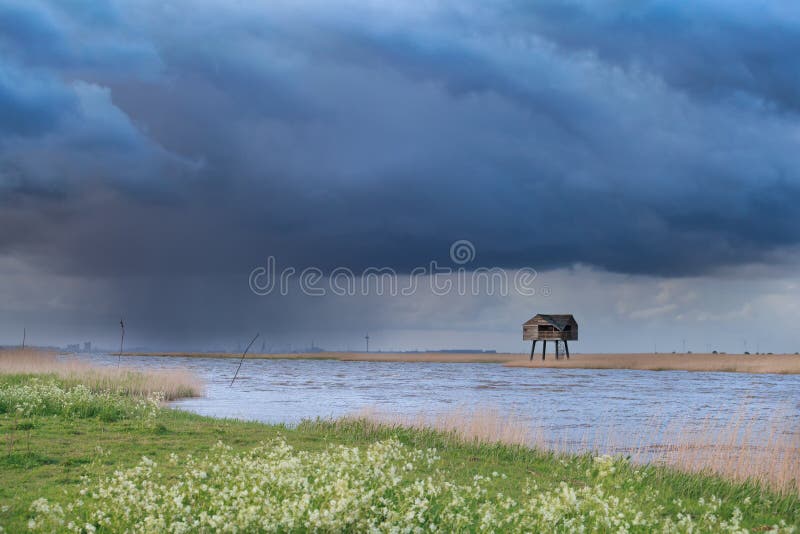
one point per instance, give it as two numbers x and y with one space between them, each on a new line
568 402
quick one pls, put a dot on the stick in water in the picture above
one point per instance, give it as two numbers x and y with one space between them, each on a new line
240 361
121 339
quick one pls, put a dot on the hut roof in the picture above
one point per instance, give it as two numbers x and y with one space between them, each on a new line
557 320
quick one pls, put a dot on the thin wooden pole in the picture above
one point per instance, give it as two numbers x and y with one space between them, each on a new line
242 360
121 340
533 348
556 349
544 347
566 348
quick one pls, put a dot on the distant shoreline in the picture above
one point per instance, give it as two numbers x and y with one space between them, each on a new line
739 363
430 357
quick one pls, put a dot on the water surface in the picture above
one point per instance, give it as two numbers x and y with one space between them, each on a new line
569 403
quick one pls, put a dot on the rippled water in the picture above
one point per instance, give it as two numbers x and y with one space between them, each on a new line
570 403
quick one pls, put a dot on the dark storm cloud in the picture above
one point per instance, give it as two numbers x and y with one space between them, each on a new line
30 33
30 106
73 35
732 49
200 137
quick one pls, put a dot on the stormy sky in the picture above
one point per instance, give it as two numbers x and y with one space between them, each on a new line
643 157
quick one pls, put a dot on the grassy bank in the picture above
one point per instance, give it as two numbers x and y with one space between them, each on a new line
743 446
736 363
171 383
88 467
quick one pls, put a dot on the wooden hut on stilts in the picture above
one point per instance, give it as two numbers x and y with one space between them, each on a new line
561 327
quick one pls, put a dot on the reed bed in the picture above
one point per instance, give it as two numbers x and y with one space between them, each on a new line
172 383
734 363
743 448
480 427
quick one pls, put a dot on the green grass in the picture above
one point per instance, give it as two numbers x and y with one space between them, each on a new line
50 456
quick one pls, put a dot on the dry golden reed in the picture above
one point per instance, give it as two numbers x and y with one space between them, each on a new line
173 383
743 448
739 363
485 426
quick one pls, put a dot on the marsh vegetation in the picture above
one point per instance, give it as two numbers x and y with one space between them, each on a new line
80 458
126 381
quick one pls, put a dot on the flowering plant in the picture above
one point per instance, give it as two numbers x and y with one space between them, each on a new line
385 487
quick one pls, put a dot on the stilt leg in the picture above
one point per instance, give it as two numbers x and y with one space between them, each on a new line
556 349
566 348
544 347
533 348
